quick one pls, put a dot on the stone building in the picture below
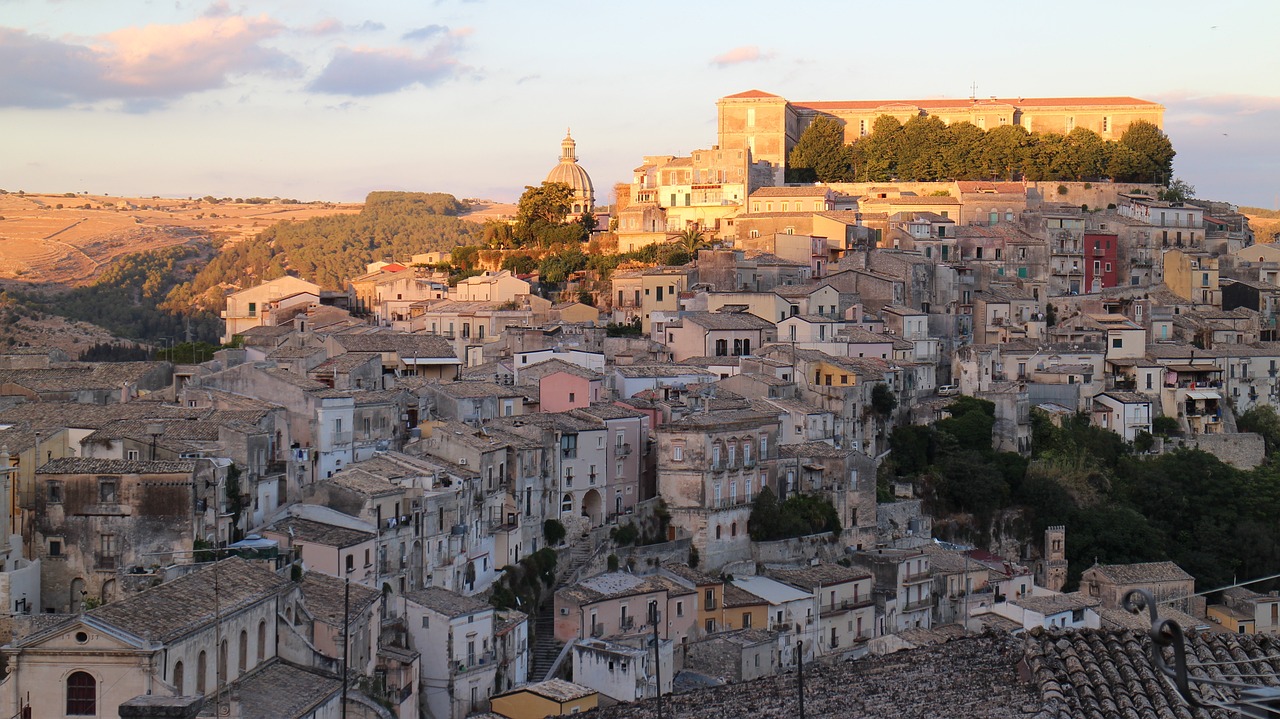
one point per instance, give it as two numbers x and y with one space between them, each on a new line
769 125
220 632
96 519
710 467
1167 582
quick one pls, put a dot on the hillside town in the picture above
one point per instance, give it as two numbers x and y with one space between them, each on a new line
419 495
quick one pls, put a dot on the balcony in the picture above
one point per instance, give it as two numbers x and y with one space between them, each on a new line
624 450
597 630
476 662
105 563
339 438
627 623
915 578
846 605
275 466
918 604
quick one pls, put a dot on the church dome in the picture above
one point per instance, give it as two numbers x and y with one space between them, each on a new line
571 173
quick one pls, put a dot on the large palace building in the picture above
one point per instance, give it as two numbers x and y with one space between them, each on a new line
769 125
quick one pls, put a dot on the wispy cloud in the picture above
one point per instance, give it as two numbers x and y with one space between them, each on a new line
334 26
144 66
362 71
425 32
739 55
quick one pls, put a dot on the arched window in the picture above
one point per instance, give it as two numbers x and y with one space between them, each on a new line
244 652
718 531
733 529
262 640
202 671
82 694
222 663
566 504
177 679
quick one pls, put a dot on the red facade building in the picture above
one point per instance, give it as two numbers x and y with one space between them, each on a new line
1100 263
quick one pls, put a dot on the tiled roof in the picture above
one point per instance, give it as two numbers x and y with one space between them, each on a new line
326 597
1142 572
474 389
1057 603
644 371
330 535
816 577
721 419
752 95
557 690
362 482
726 320
405 345
554 365
969 677
1097 673
967 104
88 465
810 191
173 609
284 691
443 601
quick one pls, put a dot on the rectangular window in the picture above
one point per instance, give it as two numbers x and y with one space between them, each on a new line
55 491
253 309
677 452
55 547
107 490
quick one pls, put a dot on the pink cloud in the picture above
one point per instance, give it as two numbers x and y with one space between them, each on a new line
199 55
739 55
143 67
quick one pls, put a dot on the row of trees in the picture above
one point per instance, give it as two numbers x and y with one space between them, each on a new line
1119 505
925 149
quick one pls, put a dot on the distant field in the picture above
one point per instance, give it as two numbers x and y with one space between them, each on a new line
1265 223
67 240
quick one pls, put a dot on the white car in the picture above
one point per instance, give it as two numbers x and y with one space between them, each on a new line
948 390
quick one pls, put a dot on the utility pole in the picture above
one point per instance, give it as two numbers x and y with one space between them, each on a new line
346 633
657 653
800 674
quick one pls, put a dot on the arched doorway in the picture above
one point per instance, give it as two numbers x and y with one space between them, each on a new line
593 507
76 597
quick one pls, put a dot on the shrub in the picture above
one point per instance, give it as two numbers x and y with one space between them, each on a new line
613 562
553 531
1165 426
1062 189
625 534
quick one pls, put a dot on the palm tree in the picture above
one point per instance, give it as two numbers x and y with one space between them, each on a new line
691 239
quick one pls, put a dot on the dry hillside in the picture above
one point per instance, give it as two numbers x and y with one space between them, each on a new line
67 240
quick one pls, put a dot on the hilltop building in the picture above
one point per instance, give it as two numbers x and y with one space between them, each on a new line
571 173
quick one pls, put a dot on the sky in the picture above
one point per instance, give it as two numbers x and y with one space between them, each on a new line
328 100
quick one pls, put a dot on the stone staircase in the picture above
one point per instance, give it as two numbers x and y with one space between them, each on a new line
545 648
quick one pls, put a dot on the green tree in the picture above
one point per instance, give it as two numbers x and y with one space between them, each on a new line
520 264
765 515
588 221
556 268
1003 152
877 153
691 239
961 144
1084 155
1179 190
921 155
1153 146
464 258
883 402
548 203
820 154
1262 419
553 531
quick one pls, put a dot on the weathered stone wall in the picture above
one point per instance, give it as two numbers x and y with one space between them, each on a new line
893 519
1244 450
799 549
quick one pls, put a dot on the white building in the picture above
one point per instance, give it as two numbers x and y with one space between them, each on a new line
455 635
620 671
